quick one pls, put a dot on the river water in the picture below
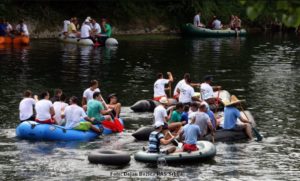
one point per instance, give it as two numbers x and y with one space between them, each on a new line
262 69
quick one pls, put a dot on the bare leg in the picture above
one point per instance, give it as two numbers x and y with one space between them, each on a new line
175 127
118 109
98 131
248 130
171 149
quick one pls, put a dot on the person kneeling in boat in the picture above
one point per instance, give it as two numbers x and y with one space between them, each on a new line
231 114
114 105
73 114
191 133
96 109
175 123
159 86
157 137
160 115
44 110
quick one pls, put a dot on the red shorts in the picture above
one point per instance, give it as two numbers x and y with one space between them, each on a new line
158 98
48 121
189 147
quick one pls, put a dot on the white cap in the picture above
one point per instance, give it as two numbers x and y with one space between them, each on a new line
158 124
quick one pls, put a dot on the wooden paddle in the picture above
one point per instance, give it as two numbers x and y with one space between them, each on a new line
170 89
258 136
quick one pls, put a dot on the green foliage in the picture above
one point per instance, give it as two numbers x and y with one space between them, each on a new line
288 11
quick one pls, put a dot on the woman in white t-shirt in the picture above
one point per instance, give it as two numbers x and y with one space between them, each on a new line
26 107
159 86
59 108
44 110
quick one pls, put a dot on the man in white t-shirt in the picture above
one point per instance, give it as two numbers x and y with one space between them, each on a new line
179 84
59 108
161 116
74 114
159 86
26 107
22 28
207 91
197 21
89 92
85 31
65 27
216 24
186 92
44 110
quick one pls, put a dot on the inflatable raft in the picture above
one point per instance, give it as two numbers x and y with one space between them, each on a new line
17 40
221 135
191 30
111 42
32 130
149 105
206 151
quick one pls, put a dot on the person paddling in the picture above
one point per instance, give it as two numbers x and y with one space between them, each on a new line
73 114
159 86
231 114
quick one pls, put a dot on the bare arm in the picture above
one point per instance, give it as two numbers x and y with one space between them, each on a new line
170 76
165 142
83 102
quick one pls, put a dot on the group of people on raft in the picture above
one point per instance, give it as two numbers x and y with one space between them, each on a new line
6 29
215 24
90 29
192 117
94 110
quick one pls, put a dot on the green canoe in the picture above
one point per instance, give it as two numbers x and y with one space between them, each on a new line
191 30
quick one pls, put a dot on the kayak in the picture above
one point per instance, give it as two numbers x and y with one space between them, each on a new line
206 151
191 30
17 40
31 130
149 105
142 134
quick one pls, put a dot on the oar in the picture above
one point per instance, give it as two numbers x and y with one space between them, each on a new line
178 144
170 89
258 136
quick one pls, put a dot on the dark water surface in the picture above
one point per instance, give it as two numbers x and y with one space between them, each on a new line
264 70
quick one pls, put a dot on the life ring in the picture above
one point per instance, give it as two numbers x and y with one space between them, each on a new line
109 157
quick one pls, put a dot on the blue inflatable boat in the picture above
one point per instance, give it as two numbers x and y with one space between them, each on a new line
32 130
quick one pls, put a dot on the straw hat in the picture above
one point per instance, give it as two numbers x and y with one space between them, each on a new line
163 100
233 100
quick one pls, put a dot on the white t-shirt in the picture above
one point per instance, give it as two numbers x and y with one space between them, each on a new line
58 106
159 87
26 108
88 93
24 28
9 27
178 85
42 109
186 93
96 27
206 91
66 25
159 114
216 24
73 114
197 20
85 31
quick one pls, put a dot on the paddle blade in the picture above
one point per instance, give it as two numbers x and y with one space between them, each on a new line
258 136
